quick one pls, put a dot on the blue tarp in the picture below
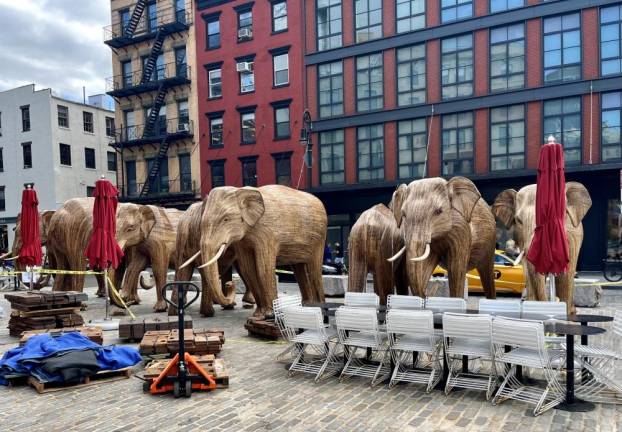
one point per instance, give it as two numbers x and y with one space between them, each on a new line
26 360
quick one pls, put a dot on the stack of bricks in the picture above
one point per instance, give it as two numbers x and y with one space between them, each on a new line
137 328
44 310
196 342
93 333
265 328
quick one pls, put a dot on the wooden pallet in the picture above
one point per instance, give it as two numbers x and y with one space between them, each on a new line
93 333
216 367
130 329
262 327
99 378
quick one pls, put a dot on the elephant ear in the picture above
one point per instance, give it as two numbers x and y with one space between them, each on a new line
578 202
504 207
149 220
463 195
251 204
397 201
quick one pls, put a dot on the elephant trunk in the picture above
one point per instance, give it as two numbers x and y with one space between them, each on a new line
417 267
213 278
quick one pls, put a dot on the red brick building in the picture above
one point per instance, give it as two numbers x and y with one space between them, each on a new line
250 92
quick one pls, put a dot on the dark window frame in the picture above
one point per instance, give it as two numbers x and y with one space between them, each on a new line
358 31
245 111
563 114
410 16
209 69
411 62
27 154
507 59
25 109
507 137
63 117
211 117
331 146
220 164
329 78
89 153
111 162
2 198
456 54
604 110
455 6
274 71
562 65
110 127
247 162
411 137
1 159
600 39
279 159
369 71
329 36
376 171
88 125
90 191
67 147
458 159
280 105
185 177
507 8
211 19
131 185
274 3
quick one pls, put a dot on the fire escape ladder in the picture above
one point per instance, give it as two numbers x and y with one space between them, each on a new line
156 50
155 168
155 111
135 18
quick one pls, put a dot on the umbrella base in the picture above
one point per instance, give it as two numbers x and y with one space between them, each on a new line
105 324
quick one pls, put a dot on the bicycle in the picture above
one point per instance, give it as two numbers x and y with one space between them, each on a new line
612 270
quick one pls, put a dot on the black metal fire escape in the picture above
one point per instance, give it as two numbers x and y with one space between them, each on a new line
135 18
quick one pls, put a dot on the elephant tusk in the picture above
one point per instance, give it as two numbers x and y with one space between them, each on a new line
519 258
397 255
189 261
11 258
4 255
215 258
426 253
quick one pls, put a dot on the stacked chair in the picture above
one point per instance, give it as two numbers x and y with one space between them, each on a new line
395 301
355 299
278 306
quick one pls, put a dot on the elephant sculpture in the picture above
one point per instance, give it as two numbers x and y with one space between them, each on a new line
265 227
518 210
445 222
70 231
44 223
187 243
156 249
374 238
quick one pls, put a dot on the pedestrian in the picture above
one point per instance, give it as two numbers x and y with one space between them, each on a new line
328 254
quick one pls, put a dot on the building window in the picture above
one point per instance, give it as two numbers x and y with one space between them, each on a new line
368 20
611 123
369 82
562 119
152 17
126 72
213 32
130 175
180 11
245 20
160 182
457 143
217 171
457 66
27 155
370 150
181 62
65 154
611 40
452 10
330 85
507 58
158 72
280 64
249 171
501 5
410 15
507 138
110 126
112 161
411 86
90 190
185 173
89 158
247 121
412 148
2 199
63 116
562 48
279 16
214 77
281 122
215 131
328 24
124 20
245 67
1 160
25 118
332 157
283 168
87 117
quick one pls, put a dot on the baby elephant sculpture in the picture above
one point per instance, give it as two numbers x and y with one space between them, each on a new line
374 239
445 222
518 210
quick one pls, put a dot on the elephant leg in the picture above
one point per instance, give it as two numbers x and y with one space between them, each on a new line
129 292
77 263
207 303
457 262
266 279
250 274
383 281
226 285
101 292
486 273
160 270
357 274
59 263
248 297
401 280
536 289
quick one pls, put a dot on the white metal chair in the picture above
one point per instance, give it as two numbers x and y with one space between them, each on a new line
470 336
494 306
521 343
395 301
600 380
453 303
357 328
550 309
309 333
410 332
356 299
278 306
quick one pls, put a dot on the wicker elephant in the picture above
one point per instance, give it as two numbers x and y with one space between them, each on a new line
374 238
265 227
445 222
518 210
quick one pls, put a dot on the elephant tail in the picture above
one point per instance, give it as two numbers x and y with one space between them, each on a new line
144 284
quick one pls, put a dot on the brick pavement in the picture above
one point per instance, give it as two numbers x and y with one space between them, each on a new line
261 397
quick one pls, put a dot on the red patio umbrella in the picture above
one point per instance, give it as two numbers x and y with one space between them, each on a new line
549 248
103 250
30 254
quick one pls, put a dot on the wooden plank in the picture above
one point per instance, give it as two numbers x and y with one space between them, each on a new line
99 378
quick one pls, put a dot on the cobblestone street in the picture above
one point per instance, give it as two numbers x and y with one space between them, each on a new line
262 397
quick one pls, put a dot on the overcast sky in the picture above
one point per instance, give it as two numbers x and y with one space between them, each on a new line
55 43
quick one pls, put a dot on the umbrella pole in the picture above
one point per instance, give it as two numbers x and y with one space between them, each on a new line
107 295
552 293
31 275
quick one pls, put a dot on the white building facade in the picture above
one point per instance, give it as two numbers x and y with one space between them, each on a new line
59 145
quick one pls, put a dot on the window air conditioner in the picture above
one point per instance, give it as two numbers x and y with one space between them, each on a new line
245 33
183 127
244 67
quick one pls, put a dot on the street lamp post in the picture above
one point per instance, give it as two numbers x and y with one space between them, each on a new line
305 139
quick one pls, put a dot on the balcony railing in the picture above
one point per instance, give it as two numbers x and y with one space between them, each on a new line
159 189
173 73
170 19
175 128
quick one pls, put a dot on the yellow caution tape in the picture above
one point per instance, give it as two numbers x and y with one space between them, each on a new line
11 273
69 272
118 297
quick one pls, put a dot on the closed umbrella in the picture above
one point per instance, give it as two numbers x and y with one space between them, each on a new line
549 249
30 254
103 250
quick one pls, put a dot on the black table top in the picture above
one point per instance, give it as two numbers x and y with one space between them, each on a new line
575 330
586 318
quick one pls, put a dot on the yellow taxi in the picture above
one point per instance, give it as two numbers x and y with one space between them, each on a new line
509 276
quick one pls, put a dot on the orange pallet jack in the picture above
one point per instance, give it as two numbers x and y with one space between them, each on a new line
183 374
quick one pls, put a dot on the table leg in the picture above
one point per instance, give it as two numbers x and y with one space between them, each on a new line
584 337
465 364
571 403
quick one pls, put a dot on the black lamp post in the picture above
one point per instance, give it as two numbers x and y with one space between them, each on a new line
305 139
